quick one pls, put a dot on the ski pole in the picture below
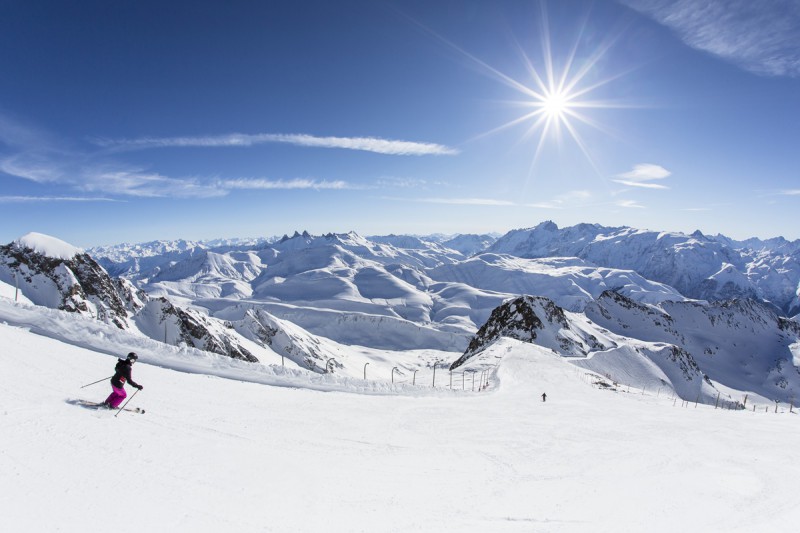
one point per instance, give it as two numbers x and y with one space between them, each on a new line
126 403
98 381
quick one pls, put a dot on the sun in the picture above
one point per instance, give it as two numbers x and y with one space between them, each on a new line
555 104
558 93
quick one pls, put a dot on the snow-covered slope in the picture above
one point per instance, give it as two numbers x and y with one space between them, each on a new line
11 292
537 320
741 344
72 281
226 455
470 244
569 281
52 273
416 293
686 262
362 284
726 284
643 364
47 246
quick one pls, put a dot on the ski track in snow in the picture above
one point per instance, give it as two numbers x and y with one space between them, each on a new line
217 454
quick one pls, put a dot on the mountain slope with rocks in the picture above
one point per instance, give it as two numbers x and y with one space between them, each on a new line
736 345
51 273
742 344
304 297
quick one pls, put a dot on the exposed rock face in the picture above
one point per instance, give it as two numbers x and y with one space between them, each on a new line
77 284
537 320
741 343
288 340
685 362
193 329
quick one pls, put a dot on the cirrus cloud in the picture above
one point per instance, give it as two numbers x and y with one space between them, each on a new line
297 183
365 144
762 37
42 199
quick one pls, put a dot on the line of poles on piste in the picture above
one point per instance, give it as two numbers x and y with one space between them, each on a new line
479 378
720 403
481 384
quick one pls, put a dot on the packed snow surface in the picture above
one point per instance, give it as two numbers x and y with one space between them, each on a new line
214 454
48 246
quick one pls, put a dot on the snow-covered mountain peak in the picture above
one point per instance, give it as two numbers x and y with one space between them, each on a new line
299 241
696 265
47 246
52 273
411 242
547 225
538 320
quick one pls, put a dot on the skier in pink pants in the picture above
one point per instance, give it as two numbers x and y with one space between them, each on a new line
122 374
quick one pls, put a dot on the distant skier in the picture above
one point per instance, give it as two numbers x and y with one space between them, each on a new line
544 396
122 374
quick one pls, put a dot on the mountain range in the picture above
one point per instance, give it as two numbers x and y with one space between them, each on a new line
700 315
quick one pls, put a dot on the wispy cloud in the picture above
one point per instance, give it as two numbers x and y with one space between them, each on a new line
365 144
118 179
143 184
408 183
641 176
34 156
640 184
545 205
791 192
69 170
467 201
629 204
561 201
39 167
38 199
265 184
37 156
762 37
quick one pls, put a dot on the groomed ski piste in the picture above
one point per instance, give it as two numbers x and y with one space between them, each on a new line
232 446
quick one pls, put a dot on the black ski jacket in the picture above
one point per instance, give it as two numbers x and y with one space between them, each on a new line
122 373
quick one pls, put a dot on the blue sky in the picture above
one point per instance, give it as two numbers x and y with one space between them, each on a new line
132 121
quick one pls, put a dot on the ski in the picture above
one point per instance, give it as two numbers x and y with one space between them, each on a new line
101 406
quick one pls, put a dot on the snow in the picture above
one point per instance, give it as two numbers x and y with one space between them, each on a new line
276 453
684 262
11 292
48 246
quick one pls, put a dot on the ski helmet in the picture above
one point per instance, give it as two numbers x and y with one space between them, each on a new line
132 356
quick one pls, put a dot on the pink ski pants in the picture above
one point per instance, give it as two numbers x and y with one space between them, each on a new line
116 397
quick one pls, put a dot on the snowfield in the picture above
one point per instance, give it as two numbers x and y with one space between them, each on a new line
214 454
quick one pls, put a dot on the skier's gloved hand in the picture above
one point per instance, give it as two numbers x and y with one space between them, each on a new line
140 387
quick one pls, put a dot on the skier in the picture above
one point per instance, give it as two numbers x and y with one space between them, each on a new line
122 373
544 396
